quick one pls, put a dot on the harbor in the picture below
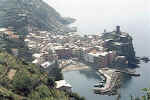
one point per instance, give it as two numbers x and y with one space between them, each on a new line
109 81
112 78
45 55
83 82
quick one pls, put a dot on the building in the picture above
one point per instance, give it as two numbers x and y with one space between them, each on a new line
76 52
63 52
103 59
45 64
111 56
118 30
63 85
37 55
89 57
100 58
8 33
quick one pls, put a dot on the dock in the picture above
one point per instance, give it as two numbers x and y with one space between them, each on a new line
111 77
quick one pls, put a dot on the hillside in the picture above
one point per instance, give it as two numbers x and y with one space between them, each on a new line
24 81
20 80
26 15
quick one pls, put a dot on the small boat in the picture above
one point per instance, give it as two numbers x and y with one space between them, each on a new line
96 85
137 75
100 85
102 81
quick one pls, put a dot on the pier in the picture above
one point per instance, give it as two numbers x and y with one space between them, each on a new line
112 77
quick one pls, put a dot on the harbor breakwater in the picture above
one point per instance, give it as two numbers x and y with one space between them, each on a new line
112 81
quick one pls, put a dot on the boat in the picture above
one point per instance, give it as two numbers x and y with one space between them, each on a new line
100 85
103 81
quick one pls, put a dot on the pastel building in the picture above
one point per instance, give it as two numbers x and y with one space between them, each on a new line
100 59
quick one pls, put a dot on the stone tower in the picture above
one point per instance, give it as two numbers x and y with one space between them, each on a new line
118 30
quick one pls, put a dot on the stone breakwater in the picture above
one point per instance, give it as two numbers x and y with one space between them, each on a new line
113 79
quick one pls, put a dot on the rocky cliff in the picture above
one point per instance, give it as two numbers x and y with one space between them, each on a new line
121 42
28 14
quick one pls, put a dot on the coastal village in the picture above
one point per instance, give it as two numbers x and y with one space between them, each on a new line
44 56
49 49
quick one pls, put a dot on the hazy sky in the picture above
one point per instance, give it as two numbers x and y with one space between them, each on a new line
100 14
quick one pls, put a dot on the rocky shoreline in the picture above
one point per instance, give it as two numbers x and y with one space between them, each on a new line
143 59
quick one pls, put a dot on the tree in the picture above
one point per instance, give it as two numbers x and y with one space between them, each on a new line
22 83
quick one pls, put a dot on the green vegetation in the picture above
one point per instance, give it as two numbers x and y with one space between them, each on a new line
20 80
144 97
57 73
19 45
26 81
77 97
34 13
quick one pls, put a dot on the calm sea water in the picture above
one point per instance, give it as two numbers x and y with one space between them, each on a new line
93 16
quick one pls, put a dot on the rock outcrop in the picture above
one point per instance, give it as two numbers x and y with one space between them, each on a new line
121 42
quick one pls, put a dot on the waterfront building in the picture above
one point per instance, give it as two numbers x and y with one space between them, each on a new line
103 62
63 85
63 52
111 57
8 33
100 59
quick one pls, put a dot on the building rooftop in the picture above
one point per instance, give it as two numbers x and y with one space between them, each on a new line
35 61
98 53
3 29
46 64
36 55
58 47
104 54
118 43
62 83
27 40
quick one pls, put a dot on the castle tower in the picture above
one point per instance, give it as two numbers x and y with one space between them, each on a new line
118 29
104 30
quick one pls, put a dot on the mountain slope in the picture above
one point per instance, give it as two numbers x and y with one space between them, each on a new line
24 81
27 14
